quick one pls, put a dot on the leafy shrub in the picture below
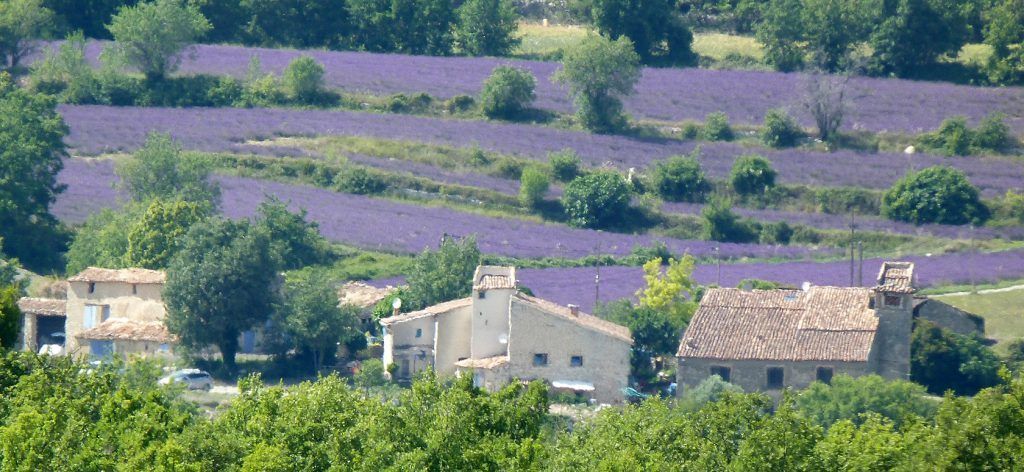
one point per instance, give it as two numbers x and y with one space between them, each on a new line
565 165
690 131
953 138
402 103
226 92
478 157
303 79
943 360
599 71
780 130
509 168
721 224
776 233
716 127
846 199
459 104
752 174
533 186
680 179
1012 206
992 133
262 92
360 181
936 194
507 93
596 200
848 398
805 235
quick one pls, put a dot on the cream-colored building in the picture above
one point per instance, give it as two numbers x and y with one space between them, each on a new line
107 312
501 334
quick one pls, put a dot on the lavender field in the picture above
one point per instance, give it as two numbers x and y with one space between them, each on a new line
576 285
378 224
663 94
99 129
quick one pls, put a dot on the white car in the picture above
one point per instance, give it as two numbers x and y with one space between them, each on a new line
194 379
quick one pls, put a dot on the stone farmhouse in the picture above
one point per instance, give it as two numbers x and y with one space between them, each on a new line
768 340
500 334
107 311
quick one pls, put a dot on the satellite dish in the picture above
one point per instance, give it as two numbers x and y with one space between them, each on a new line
806 286
503 338
397 303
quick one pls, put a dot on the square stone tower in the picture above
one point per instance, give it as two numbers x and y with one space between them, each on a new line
894 306
493 287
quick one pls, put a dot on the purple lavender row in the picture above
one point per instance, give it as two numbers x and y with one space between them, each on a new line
98 129
379 224
663 94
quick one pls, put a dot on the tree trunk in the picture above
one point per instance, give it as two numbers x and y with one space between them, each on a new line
228 348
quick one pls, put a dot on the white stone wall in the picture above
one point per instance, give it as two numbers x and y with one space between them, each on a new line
490 323
144 304
605 358
453 340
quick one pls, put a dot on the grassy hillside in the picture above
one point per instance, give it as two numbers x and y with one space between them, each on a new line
1003 312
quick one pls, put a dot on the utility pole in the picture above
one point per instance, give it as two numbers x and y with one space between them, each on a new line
860 264
853 227
718 262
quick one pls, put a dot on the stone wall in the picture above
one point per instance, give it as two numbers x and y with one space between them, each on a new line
891 348
140 302
752 376
605 358
950 317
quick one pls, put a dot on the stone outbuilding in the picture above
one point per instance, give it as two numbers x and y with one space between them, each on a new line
42 324
768 340
500 334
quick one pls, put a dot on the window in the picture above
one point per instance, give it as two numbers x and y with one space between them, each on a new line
576 361
92 287
893 300
721 371
540 359
164 348
135 289
824 375
419 333
101 348
481 295
776 377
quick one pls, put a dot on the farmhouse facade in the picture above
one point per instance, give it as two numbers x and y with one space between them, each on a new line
500 334
107 312
768 340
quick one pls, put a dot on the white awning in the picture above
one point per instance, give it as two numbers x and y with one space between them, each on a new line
573 385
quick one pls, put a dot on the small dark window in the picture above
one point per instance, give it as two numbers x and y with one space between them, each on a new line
776 377
576 361
92 287
721 371
892 300
135 289
540 359
824 375
419 333
481 295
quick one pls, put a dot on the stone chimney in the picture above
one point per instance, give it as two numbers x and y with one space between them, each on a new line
575 310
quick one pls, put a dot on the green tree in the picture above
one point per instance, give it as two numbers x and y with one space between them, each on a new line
873 445
303 79
780 129
221 282
10 316
752 174
103 240
422 26
507 93
303 24
716 127
22 24
295 242
784 441
832 28
533 186
721 224
445 274
152 36
936 194
154 238
781 32
674 292
487 27
851 399
31 152
680 179
596 200
66 72
1004 31
565 164
312 319
655 28
161 170
599 71
943 360
914 34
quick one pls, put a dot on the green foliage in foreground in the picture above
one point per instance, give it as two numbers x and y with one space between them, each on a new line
55 415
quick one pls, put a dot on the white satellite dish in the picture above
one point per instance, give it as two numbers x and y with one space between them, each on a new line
397 303
806 286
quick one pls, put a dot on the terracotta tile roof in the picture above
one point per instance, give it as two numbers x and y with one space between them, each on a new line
439 309
582 319
43 306
123 329
896 277
362 295
128 276
485 363
823 323
491 281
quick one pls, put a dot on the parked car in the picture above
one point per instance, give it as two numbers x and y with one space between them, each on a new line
193 379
